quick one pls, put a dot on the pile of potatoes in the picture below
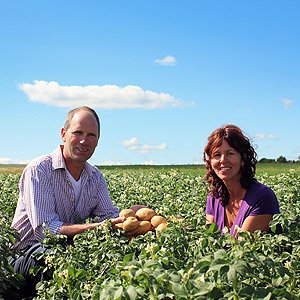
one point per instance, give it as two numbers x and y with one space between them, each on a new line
141 221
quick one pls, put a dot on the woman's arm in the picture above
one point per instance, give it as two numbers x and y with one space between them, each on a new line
209 219
259 222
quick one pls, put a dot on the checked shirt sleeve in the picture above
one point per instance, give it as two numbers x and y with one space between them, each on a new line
38 197
105 208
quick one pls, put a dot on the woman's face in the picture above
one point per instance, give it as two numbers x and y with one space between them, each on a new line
226 163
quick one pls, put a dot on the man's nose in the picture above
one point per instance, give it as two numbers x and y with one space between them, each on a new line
83 139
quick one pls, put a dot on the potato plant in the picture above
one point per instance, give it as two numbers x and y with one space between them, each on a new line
188 260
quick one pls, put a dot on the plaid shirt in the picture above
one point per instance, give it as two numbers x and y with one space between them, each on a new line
47 199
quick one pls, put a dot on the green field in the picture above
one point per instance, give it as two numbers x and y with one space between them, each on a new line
186 261
269 168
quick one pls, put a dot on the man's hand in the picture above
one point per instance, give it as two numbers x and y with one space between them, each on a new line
117 220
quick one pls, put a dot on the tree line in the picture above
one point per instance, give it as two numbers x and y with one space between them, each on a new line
280 159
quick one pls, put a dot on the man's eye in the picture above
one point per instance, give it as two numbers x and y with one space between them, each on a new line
76 132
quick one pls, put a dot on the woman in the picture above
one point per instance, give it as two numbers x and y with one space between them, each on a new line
236 197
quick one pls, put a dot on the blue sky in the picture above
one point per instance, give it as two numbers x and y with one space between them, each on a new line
162 75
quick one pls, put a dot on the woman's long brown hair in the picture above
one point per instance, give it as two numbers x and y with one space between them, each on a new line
234 136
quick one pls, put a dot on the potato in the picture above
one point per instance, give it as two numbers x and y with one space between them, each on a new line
161 227
131 223
143 228
145 214
119 225
136 207
127 212
156 220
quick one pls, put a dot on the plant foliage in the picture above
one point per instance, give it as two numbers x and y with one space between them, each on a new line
186 261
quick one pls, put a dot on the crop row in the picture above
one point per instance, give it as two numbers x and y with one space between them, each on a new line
185 261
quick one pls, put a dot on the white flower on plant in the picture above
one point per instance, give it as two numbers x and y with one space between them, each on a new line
150 248
225 230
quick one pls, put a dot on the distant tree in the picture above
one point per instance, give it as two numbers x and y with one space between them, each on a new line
266 160
281 159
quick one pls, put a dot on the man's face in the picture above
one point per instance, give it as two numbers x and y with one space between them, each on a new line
81 138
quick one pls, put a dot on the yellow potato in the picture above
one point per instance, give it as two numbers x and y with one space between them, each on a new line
131 223
127 212
161 227
143 228
145 214
156 220
119 225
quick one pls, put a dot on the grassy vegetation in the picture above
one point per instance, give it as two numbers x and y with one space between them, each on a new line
269 168
277 168
186 261
11 169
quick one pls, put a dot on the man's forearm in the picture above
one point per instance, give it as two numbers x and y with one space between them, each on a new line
72 229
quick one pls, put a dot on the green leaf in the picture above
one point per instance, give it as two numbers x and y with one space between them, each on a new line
239 267
132 293
118 293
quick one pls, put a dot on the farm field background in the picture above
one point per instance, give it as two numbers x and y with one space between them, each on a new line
269 168
186 261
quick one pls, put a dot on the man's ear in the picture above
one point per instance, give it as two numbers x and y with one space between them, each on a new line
63 134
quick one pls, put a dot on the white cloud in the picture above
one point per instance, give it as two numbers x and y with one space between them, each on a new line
134 145
97 96
12 161
167 61
287 103
149 163
111 163
264 136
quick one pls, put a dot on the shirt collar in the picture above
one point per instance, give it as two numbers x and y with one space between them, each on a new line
58 162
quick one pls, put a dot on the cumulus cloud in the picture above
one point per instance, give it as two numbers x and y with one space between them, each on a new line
134 145
97 96
12 161
167 61
149 163
287 103
112 163
264 136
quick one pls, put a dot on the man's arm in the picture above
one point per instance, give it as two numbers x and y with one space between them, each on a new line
72 229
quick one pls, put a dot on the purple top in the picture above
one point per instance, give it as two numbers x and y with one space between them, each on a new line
259 200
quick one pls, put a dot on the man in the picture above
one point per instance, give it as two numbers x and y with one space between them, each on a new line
59 191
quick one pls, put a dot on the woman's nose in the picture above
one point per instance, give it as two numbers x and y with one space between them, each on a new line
223 158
